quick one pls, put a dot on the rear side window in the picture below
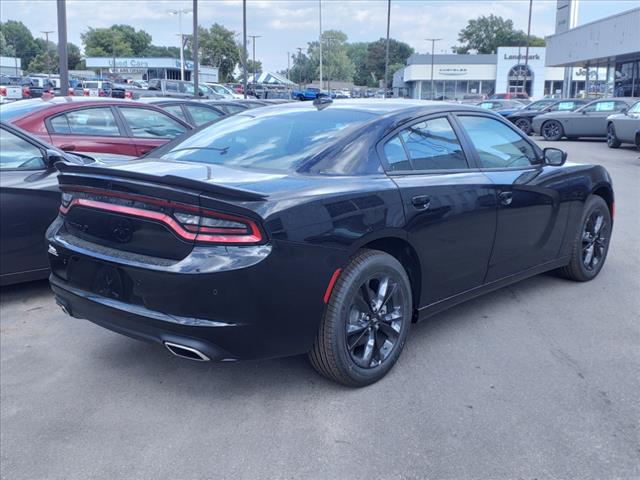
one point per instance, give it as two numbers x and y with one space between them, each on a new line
563 106
498 145
433 145
175 110
91 121
202 115
235 108
145 122
396 155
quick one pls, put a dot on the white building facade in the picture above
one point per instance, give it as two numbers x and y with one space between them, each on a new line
149 68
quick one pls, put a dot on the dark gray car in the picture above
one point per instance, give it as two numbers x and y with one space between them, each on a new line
587 121
624 127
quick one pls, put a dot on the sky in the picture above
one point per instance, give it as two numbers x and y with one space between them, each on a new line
285 25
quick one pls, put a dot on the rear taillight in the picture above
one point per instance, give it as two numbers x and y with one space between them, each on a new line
189 222
101 93
3 91
128 95
85 92
72 92
26 92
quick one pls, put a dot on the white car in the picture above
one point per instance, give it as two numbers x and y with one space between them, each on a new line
222 90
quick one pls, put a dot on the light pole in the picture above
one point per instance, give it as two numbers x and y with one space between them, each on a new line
179 14
386 58
244 47
62 47
299 67
433 47
253 70
195 46
320 39
526 52
46 46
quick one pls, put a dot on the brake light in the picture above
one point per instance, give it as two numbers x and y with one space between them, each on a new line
3 91
128 94
189 222
26 92
72 92
85 92
101 93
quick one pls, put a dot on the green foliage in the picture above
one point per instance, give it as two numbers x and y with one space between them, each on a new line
47 61
336 63
303 70
18 36
375 59
486 34
357 53
251 68
162 51
218 48
5 49
105 42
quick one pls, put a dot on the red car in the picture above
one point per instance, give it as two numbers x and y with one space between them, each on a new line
103 125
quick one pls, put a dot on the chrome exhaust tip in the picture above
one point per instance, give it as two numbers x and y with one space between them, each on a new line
183 351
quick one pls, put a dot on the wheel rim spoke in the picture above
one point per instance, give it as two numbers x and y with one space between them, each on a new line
367 356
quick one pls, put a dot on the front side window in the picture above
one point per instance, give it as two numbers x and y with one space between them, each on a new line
202 115
145 122
17 153
563 107
171 87
396 155
90 121
498 145
433 145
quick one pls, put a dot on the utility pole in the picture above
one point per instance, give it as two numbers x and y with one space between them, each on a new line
113 52
244 47
253 69
386 58
433 46
526 53
46 46
299 67
195 46
62 48
320 39
288 64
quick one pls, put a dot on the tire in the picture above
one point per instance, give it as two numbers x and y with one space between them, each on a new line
524 124
591 235
612 139
552 130
376 337
301 98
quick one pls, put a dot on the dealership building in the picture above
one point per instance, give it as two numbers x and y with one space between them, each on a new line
457 76
148 68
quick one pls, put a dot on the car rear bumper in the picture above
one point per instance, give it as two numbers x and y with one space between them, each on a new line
265 302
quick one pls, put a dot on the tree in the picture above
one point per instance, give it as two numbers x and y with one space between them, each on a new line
303 70
251 68
18 36
357 52
139 40
335 62
486 34
48 61
375 59
105 42
5 49
162 51
218 48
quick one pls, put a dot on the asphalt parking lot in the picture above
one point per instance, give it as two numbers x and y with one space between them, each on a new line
540 380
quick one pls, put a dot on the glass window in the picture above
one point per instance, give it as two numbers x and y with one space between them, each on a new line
396 155
234 108
498 145
145 122
635 108
563 106
433 145
278 141
18 153
605 106
89 121
175 110
486 105
171 87
202 115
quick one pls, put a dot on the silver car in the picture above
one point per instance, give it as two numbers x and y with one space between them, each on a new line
587 121
624 127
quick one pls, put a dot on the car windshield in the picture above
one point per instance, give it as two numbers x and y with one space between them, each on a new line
9 111
635 108
282 140
541 105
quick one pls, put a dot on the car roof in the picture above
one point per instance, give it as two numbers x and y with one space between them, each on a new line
159 100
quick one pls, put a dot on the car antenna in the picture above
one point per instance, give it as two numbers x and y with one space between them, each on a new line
322 102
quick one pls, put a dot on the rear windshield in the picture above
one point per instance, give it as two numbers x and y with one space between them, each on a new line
282 140
9 111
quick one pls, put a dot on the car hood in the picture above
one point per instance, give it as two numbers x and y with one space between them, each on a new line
524 113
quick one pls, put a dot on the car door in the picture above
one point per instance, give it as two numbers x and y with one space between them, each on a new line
450 209
149 128
91 129
530 222
201 114
591 121
627 124
30 199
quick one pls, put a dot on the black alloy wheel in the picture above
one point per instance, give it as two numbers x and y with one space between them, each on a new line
524 124
612 139
552 130
591 245
366 321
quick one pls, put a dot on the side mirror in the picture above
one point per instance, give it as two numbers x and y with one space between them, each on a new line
53 157
554 156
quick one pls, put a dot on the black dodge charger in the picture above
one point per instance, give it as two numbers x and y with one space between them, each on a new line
324 228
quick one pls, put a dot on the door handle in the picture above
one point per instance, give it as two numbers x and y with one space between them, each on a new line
505 198
421 202
67 147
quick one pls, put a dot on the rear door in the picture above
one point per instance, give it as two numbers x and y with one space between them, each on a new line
530 223
449 207
591 121
91 129
149 128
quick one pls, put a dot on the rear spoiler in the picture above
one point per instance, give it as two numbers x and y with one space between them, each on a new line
68 170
